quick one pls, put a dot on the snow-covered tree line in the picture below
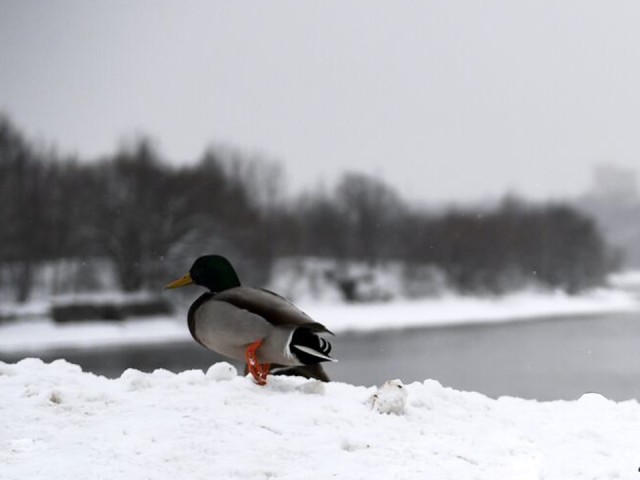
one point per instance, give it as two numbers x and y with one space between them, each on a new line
145 219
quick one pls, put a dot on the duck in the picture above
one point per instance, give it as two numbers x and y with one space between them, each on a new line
254 325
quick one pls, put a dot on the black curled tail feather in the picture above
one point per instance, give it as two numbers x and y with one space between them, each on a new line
308 347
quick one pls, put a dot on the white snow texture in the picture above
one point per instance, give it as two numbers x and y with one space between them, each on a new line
57 422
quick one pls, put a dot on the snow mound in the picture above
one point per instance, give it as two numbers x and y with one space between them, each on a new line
222 371
60 423
391 397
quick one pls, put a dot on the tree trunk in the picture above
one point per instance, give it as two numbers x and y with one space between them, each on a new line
22 274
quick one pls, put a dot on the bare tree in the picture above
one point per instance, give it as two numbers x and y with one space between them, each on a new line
371 209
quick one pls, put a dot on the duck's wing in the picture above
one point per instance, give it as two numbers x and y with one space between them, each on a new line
274 308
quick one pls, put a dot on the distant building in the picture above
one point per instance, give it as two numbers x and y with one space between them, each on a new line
613 200
614 183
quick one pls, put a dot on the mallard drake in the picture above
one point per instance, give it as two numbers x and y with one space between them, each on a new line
253 324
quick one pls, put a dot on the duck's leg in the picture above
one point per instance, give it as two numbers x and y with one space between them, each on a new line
258 370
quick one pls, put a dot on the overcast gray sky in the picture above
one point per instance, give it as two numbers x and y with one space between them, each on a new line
448 100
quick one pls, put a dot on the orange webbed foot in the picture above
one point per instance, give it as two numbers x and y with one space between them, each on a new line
258 370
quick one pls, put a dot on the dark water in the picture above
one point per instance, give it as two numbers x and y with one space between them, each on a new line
545 359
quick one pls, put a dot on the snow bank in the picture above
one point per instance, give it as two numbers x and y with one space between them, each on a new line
455 309
626 280
40 334
60 423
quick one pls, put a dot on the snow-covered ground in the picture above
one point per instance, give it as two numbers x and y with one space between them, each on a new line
625 280
39 334
57 422
456 309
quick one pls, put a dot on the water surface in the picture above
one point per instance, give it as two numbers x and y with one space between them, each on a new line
554 358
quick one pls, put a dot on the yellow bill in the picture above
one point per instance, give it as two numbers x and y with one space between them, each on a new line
181 282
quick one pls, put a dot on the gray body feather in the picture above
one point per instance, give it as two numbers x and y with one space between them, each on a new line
229 321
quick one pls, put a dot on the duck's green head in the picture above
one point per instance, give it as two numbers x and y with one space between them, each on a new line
211 271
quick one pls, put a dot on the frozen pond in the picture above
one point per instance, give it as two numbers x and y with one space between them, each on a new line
548 359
